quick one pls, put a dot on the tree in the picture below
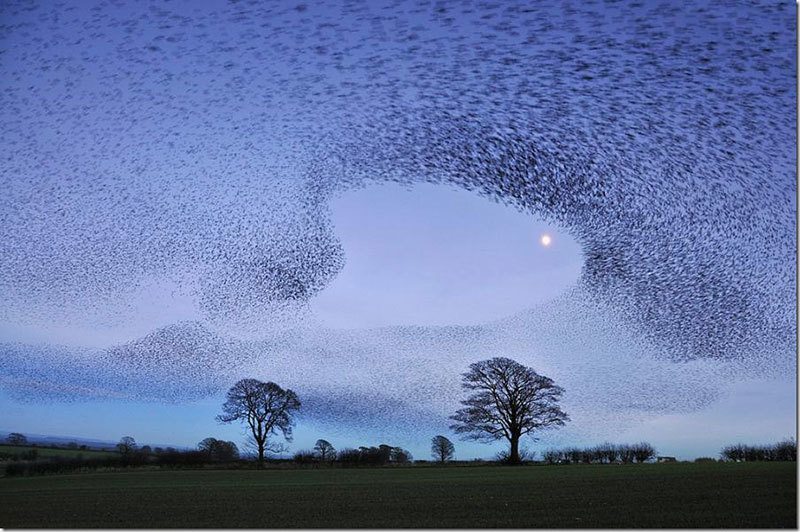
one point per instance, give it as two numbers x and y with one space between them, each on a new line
574 455
305 457
786 451
399 455
264 406
552 456
508 401
442 449
382 454
643 452
126 445
15 438
351 456
219 450
626 454
208 446
325 450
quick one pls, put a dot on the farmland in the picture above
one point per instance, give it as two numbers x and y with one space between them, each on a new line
51 452
683 495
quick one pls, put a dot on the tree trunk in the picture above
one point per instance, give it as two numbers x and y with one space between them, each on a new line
261 440
513 455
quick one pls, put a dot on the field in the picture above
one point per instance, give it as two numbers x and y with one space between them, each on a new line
50 452
730 495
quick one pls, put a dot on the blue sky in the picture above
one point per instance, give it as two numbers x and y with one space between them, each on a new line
492 265
199 192
433 255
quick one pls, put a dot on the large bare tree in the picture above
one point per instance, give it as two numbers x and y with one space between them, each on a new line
508 400
264 406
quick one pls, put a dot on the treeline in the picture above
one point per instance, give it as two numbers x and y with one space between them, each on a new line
324 452
784 451
60 464
605 453
28 454
209 451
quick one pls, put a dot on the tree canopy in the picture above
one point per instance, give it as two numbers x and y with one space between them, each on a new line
442 448
219 450
16 438
507 400
265 407
126 445
325 450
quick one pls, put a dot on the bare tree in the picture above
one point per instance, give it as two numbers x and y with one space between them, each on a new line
626 454
607 453
325 450
553 456
126 445
643 452
508 401
574 455
442 449
264 406
15 438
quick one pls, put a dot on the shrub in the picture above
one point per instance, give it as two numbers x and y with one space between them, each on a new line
381 455
349 456
784 451
524 455
182 458
61 465
305 457
553 456
606 453
31 455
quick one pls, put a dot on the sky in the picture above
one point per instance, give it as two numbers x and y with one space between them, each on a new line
432 255
493 265
350 199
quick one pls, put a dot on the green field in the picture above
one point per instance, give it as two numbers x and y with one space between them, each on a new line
50 452
751 495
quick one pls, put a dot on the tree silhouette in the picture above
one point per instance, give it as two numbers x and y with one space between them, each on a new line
219 450
15 438
442 449
509 400
264 406
643 452
126 445
325 450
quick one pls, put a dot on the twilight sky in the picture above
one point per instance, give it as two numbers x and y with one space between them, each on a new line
348 199
391 233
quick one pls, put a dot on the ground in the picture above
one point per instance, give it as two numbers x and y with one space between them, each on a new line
683 495
49 452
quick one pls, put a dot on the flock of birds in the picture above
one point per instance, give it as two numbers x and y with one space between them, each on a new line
199 145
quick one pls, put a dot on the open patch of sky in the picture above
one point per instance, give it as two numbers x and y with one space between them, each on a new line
435 255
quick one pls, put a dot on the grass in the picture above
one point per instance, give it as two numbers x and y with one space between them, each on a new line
730 495
50 452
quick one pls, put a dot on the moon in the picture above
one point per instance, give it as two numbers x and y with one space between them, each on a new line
545 240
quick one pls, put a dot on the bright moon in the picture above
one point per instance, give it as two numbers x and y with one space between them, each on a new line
545 240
